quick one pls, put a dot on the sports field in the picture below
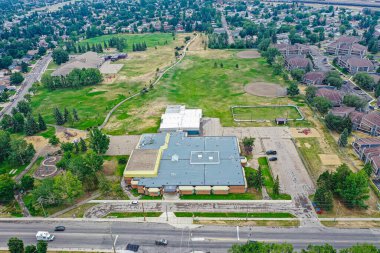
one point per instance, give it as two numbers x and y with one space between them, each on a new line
264 113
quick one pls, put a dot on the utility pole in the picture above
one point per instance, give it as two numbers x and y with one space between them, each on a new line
113 240
40 200
166 211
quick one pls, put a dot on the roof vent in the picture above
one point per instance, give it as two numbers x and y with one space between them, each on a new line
211 158
175 158
200 156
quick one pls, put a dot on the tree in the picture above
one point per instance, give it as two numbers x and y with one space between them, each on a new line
67 147
15 245
261 247
67 187
248 144
354 101
361 248
276 186
333 78
5 145
7 186
297 74
271 54
42 246
30 249
75 115
99 142
60 56
368 169
21 152
27 182
293 90
24 67
338 123
54 140
66 115
355 190
31 126
18 123
258 180
41 51
343 138
319 249
82 145
311 92
24 107
41 123
322 104
323 198
16 78
59 119
365 81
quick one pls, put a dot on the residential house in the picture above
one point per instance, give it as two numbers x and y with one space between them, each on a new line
356 64
314 78
368 123
342 111
346 46
297 62
292 50
333 95
368 150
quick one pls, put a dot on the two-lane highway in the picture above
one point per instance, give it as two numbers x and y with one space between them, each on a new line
32 77
96 235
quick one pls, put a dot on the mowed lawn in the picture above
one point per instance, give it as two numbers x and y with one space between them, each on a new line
151 39
265 113
94 102
198 82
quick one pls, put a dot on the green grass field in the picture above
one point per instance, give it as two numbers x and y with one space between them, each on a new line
265 113
234 215
231 196
151 39
268 180
133 214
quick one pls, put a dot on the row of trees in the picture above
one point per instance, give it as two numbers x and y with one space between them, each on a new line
366 82
351 188
66 116
22 120
263 247
16 245
60 56
139 46
75 79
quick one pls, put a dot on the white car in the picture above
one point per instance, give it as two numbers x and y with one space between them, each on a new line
44 236
134 202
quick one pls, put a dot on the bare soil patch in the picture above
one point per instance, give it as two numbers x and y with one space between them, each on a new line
109 167
328 159
248 54
38 142
70 135
264 89
304 133
108 68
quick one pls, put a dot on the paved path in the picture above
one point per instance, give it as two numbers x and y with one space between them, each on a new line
160 75
225 26
93 196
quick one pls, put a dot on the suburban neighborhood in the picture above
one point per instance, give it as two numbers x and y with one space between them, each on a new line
174 126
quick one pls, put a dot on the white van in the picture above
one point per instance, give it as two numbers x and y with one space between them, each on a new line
44 236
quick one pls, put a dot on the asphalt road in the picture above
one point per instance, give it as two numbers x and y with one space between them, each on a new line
32 77
97 235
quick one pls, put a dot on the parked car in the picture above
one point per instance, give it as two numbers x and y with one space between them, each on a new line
271 152
134 202
272 159
59 228
161 242
356 88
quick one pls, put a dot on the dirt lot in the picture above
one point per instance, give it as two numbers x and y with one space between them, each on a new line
330 159
108 68
70 135
38 142
122 145
301 133
248 54
264 89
